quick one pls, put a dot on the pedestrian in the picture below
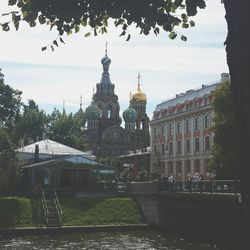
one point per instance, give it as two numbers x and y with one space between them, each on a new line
171 182
201 183
189 183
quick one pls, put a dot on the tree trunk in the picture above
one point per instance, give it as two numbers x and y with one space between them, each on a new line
238 60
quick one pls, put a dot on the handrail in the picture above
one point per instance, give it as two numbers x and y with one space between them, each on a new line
57 202
58 207
195 186
44 205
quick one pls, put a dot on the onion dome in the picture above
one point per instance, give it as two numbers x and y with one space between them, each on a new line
129 115
106 61
139 96
92 111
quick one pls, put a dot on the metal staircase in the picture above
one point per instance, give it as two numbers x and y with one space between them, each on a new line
52 212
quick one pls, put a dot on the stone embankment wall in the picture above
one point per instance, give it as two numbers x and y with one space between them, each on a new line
205 216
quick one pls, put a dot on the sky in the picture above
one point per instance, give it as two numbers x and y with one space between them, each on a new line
167 67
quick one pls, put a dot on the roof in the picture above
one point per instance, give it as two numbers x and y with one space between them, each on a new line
136 153
188 95
49 147
77 159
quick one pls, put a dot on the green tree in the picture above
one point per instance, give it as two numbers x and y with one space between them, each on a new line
66 129
7 163
31 123
224 151
10 103
94 15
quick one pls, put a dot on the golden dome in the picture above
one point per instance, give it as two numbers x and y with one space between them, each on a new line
139 96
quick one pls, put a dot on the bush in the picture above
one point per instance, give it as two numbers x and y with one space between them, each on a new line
15 211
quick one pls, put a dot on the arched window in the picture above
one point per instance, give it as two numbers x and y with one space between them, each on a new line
207 143
197 145
187 146
109 112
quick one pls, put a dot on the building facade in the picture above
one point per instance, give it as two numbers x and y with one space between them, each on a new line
181 135
104 133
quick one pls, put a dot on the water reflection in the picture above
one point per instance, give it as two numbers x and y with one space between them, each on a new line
148 240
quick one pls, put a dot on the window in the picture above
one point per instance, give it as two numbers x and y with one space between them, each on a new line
187 126
187 146
206 167
197 166
155 149
170 167
163 168
155 132
197 144
163 149
188 167
178 166
178 128
196 123
109 111
207 121
179 147
162 131
171 129
170 148
207 143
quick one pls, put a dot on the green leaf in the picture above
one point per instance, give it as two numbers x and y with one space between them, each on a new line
83 23
87 34
26 14
183 38
105 22
123 33
192 23
16 24
44 48
185 25
55 42
6 27
120 21
52 48
41 19
61 40
69 33
77 29
128 37
156 31
172 35
32 23
12 2
184 17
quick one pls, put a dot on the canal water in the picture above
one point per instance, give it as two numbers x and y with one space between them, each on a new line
148 240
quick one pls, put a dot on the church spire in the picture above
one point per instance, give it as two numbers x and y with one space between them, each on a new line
106 48
139 83
81 102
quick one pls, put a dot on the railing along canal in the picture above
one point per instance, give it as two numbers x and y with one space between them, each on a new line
194 186
208 186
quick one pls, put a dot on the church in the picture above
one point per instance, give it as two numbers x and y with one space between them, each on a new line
104 133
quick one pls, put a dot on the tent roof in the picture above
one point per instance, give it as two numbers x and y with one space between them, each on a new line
53 148
77 159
